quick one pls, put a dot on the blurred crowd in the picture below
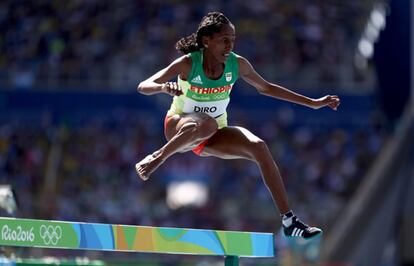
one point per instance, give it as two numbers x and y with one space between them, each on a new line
114 44
79 166
85 172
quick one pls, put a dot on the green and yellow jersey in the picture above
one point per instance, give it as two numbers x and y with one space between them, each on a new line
201 94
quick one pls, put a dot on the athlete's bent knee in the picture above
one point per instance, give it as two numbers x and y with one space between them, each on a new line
202 129
189 126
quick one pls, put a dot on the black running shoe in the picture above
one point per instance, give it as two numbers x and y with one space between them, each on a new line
299 229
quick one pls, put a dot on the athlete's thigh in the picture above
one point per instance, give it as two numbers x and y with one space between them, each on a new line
231 143
174 123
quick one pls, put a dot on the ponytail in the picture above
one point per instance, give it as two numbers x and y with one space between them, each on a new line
188 44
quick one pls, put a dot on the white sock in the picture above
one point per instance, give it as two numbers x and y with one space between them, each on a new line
287 219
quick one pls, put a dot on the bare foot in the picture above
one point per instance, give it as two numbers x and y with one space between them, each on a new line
148 165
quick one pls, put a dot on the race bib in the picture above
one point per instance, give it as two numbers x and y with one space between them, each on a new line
213 109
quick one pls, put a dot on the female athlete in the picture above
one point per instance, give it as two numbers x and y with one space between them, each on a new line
197 118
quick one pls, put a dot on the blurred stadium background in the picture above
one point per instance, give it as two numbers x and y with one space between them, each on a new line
72 125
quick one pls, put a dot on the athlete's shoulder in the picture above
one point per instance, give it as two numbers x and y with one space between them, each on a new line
182 65
240 59
244 65
184 60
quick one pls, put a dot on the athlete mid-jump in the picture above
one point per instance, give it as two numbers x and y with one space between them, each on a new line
197 119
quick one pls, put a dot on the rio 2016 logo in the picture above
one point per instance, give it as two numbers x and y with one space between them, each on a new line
18 234
50 234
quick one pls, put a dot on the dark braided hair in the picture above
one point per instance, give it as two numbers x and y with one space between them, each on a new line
210 24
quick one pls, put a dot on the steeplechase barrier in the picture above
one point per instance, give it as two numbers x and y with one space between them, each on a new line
108 237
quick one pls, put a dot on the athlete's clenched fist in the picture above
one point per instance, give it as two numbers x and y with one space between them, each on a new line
172 88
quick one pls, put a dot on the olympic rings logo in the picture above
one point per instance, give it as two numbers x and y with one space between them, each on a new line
220 96
50 234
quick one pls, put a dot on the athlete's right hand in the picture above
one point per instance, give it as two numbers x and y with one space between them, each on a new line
171 88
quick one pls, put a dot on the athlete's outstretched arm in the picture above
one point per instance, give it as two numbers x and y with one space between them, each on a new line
264 87
158 83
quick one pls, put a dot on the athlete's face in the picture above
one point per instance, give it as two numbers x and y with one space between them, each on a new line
220 44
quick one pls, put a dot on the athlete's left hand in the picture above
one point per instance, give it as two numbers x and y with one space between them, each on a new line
332 101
